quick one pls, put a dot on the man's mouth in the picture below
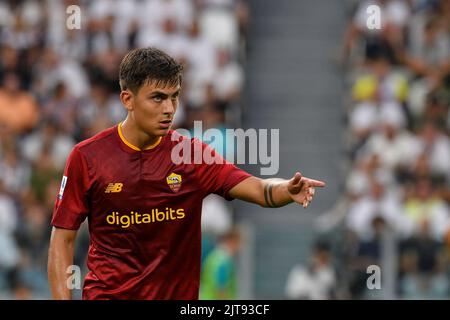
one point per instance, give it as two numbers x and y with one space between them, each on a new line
165 124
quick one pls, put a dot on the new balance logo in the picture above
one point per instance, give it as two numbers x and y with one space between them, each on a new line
114 187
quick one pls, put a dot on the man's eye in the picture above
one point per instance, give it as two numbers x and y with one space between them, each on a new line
175 97
157 99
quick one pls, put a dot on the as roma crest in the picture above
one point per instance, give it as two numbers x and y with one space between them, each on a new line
174 182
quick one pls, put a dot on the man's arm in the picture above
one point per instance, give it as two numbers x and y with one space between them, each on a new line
276 192
60 257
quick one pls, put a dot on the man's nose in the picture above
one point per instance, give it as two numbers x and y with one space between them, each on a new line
168 107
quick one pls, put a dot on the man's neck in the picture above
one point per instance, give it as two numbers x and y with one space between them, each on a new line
137 137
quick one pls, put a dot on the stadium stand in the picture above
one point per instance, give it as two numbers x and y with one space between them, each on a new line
59 86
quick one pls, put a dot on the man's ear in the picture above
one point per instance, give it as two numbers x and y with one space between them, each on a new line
126 96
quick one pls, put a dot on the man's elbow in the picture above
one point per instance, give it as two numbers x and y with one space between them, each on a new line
62 238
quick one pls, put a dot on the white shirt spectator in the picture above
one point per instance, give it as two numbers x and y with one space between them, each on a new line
6 16
60 148
229 79
101 9
174 44
369 116
216 215
436 53
439 154
124 14
363 116
54 69
391 113
220 26
363 211
304 284
435 211
152 13
74 77
15 173
23 36
110 112
56 20
393 87
201 57
74 46
9 253
397 12
201 69
402 149
358 180
32 12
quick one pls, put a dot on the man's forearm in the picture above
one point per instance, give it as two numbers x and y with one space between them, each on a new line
59 259
276 192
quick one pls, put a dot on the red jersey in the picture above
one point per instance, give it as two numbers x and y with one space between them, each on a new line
144 214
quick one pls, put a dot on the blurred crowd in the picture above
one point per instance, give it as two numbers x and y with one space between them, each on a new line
398 120
395 212
59 86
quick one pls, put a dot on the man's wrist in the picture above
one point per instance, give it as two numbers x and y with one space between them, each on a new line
276 194
287 196
268 195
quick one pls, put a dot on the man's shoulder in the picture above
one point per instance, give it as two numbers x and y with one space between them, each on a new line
100 139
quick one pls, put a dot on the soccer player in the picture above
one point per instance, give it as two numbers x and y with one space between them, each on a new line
143 209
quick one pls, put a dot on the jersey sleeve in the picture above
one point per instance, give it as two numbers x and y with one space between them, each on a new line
71 206
217 175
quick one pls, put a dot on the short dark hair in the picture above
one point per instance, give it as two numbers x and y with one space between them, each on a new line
145 65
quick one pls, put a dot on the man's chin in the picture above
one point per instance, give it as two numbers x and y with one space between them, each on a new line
162 132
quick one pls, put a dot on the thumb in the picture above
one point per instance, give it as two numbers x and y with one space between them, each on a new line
295 183
296 179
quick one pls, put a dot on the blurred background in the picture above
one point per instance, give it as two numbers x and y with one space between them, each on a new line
365 110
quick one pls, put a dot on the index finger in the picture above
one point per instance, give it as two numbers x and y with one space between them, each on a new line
315 183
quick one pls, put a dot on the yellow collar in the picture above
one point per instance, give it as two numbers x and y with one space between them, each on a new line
119 130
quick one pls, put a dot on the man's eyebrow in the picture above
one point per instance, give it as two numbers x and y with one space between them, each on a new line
160 93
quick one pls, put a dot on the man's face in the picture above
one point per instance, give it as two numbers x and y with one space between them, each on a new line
153 108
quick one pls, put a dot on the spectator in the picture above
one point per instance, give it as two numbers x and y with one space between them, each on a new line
378 203
15 172
398 137
18 109
436 145
423 207
218 278
216 221
59 86
423 267
60 108
228 82
9 251
317 280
